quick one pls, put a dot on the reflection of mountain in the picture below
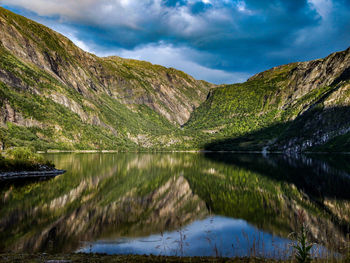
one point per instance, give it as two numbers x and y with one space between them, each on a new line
268 191
112 195
105 203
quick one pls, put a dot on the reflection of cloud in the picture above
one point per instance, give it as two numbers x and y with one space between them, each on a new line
223 40
201 236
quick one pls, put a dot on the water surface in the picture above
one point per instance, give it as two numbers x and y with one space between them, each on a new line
179 204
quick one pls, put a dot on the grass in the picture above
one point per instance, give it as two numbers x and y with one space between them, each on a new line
23 159
79 258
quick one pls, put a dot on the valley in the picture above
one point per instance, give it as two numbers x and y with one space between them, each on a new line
55 96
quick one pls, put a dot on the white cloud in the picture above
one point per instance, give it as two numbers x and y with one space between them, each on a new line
179 58
322 7
237 35
242 7
80 43
134 14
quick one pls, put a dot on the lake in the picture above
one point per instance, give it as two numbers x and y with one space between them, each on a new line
185 204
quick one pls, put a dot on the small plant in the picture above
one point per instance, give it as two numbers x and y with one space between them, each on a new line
164 246
211 237
302 247
181 242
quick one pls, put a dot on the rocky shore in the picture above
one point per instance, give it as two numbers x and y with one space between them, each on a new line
25 175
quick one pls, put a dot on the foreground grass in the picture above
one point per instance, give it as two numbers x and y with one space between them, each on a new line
120 258
72 258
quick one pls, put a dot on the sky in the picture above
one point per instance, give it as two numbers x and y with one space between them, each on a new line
221 41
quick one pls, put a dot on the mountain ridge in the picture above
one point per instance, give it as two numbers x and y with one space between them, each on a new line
104 92
54 95
287 108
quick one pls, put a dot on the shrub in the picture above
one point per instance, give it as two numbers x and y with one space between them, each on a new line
24 154
22 158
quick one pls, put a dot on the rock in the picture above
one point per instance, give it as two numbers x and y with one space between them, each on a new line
6 176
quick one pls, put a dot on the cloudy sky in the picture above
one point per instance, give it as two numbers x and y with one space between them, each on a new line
222 41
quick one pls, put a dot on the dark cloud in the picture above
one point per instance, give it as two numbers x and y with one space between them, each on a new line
232 36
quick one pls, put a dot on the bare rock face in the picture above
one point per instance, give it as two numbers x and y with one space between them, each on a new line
328 116
9 114
304 77
169 92
311 75
318 91
138 104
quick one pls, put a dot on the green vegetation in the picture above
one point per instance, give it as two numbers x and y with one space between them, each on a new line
59 97
303 248
238 110
21 158
55 96
62 129
256 114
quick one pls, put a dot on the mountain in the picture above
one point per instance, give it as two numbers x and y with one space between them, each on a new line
290 108
53 95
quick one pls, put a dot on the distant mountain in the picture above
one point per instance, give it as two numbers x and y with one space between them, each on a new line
291 108
54 95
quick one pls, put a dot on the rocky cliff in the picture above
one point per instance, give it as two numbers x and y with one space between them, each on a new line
54 95
290 108
46 81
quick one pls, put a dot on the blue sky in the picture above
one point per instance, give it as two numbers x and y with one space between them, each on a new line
221 41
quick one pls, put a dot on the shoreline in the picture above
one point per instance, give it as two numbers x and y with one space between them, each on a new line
184 151
19 175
